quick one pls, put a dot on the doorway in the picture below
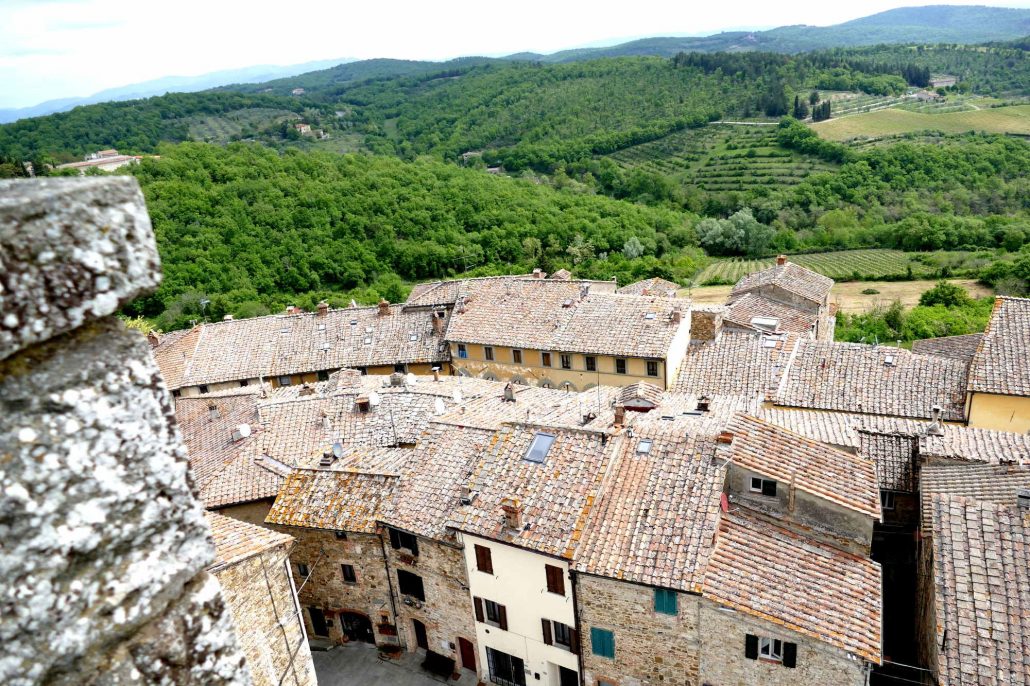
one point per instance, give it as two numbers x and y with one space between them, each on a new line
468 653
318 624
356 627
567 677
421 638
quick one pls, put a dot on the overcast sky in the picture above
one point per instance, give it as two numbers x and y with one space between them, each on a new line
61 48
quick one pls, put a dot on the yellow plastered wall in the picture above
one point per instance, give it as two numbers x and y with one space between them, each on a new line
999 412
534 372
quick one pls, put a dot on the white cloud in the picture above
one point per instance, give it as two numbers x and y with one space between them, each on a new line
61 48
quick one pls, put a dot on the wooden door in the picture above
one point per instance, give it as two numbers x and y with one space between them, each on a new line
468 654
420 634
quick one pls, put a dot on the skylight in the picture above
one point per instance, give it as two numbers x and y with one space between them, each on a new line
644 446
413 337
650 315
538 448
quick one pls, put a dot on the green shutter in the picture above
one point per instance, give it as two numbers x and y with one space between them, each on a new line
665 601
602 642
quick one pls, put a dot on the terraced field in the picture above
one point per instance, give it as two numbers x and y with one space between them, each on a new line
851 265
220 129
722 157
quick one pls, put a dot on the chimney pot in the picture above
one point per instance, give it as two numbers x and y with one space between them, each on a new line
384 307
725 438
436 373
509 392
781 260
620 415
323 308
512 512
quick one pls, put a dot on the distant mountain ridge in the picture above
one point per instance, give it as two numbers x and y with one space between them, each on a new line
170 84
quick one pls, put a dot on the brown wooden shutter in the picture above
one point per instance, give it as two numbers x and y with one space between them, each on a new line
502 617
546 626
484 561
555 579
574 640
478 602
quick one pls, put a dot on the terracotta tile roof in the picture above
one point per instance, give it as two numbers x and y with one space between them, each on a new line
790 277
979 445
746 308
340 501
534 405
798 583
733 364
835 475
958 347
1001 363
640 392
445 293
237 349
981 576
996 484
852 377
895 457
208 434
653 286
245 479
658 512
173 354
561 275
554 315
236 540
556 496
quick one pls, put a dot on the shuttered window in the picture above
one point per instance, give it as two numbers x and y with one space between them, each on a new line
602 642
555 579
665 601
489 612
770 649
484 561
411 584
402 539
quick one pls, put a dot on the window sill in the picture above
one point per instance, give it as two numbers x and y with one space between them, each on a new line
770 661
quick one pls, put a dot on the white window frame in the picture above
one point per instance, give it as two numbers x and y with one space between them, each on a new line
770 649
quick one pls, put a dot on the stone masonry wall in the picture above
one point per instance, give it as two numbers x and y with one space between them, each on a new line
651 648
259 592
103 544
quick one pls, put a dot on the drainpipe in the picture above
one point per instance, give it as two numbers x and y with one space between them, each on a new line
575 613
389 583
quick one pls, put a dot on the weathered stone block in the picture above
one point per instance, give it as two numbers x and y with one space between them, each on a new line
71 251
99 529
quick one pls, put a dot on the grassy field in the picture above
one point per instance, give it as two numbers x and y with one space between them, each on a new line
722 157
849 296
1014 119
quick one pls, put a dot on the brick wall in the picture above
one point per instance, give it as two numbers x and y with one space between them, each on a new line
650 647
259 593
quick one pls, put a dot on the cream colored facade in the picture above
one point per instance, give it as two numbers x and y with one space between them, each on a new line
471 359
999 412
519 582
421 369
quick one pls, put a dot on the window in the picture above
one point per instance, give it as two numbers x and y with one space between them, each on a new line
244 383
556 633
566 361
644 446
463 352
516 356
886 500
323 375
302 570
763 486
665 601
602 642
400 369
284 381
488 352
402 539
545 359
652 368
341 535
591 363
176 393
203 388
539 447
770 650
505 669
620 366
348 574
489 612
555 579
484 561
410 584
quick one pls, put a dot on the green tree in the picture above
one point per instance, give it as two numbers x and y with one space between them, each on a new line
945 293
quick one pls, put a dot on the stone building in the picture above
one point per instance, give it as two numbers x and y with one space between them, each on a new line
104 543
783 298
252 565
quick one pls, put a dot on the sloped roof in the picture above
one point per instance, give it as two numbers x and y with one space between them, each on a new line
867 379
958 347
835 475
747 307
173 353
996 484
534 405
237 540
733 364
639 391
334 500
790 277
894 454
796 582
654 286
555 315
658 512
981 577
1001 363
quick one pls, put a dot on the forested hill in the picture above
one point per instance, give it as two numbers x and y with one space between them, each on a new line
929 24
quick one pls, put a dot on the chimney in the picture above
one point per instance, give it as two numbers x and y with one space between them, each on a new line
724 438
396 379
227 318
323 308
512 513
436 374
677 315
538 274
466 495
1023 499
384 307
212 411
935 428
154 339
703 403
620 415
509 392
584 291
306 389
781 260
439 322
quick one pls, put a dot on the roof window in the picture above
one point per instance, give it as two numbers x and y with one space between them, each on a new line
412 336
538 448
889 360
644 446
650 315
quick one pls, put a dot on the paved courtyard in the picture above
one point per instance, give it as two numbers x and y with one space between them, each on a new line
358 664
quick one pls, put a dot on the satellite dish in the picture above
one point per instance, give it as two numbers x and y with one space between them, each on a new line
440 407
373 399
410 379
457 395
244 430
338 449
